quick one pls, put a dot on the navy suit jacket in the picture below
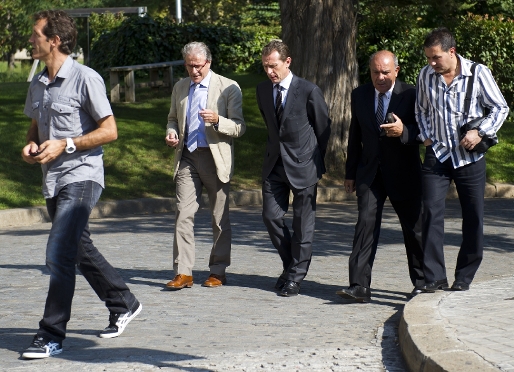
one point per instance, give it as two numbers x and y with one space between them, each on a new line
301 138
369 150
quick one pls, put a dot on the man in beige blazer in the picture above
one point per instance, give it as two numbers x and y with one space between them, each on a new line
206 114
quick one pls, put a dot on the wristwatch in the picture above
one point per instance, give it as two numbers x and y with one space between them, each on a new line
70 146
481 133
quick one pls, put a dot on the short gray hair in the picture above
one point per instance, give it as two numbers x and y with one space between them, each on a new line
195 48
395 59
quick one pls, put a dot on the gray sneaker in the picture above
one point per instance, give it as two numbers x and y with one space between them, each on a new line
118 322
42 347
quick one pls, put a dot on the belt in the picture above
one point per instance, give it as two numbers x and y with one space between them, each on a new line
197 149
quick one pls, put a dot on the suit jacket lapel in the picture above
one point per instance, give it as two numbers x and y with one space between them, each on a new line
291 96
213 92
370 107
184 94
396 98
268 102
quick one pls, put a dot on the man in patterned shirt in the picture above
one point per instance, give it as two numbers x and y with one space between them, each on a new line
440 102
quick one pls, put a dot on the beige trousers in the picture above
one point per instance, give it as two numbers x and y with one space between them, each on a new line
197 170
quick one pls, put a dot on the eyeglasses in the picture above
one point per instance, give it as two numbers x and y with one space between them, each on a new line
196 67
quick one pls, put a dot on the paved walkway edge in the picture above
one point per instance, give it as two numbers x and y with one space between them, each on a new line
28 216
428 346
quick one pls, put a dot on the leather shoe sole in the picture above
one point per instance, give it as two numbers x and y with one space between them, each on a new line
351 294
290 289
435 286
280 282
180 281
416 291
215 280
460 286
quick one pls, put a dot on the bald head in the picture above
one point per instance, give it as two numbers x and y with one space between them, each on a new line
383 66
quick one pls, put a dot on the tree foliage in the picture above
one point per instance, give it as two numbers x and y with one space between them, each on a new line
140 40
16 19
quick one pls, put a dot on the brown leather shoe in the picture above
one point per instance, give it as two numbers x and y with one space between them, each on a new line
215 280
180 281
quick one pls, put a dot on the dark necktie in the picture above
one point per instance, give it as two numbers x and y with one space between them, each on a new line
279 110
380 109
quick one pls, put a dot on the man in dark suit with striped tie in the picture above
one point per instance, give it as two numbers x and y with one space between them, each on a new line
383 161
296 117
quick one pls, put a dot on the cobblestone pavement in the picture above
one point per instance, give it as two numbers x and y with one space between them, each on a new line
483 319
243 326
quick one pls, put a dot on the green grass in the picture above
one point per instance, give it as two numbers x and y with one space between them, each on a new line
18 74
139 164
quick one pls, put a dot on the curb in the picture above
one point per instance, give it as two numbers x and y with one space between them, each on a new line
28 216
427 345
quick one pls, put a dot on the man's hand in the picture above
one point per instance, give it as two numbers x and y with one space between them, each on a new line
29 152
393 129
209 116
50 150
349 186
471 140
172 140
427 142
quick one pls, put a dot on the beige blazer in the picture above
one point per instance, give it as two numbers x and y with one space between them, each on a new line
223 97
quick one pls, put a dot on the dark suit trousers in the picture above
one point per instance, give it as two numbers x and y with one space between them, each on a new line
295 250
470 183
367 232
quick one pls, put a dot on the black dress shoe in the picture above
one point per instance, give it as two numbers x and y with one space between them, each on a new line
282 279
416 291
434 286
290 288
460 286
356 292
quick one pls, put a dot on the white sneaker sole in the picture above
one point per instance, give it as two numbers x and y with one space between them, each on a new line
34 355
122 326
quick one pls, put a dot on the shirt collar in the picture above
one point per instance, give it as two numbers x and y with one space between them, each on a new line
65 69
286 82
387 94
465 66
63 73
205 82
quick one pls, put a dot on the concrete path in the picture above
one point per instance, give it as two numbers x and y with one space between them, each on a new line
245 326
471 330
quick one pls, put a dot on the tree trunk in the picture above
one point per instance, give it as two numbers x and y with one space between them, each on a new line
11 61
321 35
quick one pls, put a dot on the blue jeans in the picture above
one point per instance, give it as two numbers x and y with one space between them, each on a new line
70 246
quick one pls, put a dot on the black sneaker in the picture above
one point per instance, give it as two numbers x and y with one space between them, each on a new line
118 322
42 347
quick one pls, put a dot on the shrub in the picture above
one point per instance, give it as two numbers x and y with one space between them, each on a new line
395 29
146 40
489 40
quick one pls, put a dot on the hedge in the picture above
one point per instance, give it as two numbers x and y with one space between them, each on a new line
144 40
483 39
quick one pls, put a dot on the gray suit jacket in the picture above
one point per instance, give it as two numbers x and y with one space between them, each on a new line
301 138
223 97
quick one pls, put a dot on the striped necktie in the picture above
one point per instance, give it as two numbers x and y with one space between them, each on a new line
194 121
380 109
279 109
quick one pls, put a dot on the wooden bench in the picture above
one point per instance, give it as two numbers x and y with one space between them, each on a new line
130 85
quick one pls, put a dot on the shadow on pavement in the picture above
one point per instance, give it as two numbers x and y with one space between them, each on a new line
88 351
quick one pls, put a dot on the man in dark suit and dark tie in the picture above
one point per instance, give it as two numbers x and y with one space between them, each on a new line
296 117
383 161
